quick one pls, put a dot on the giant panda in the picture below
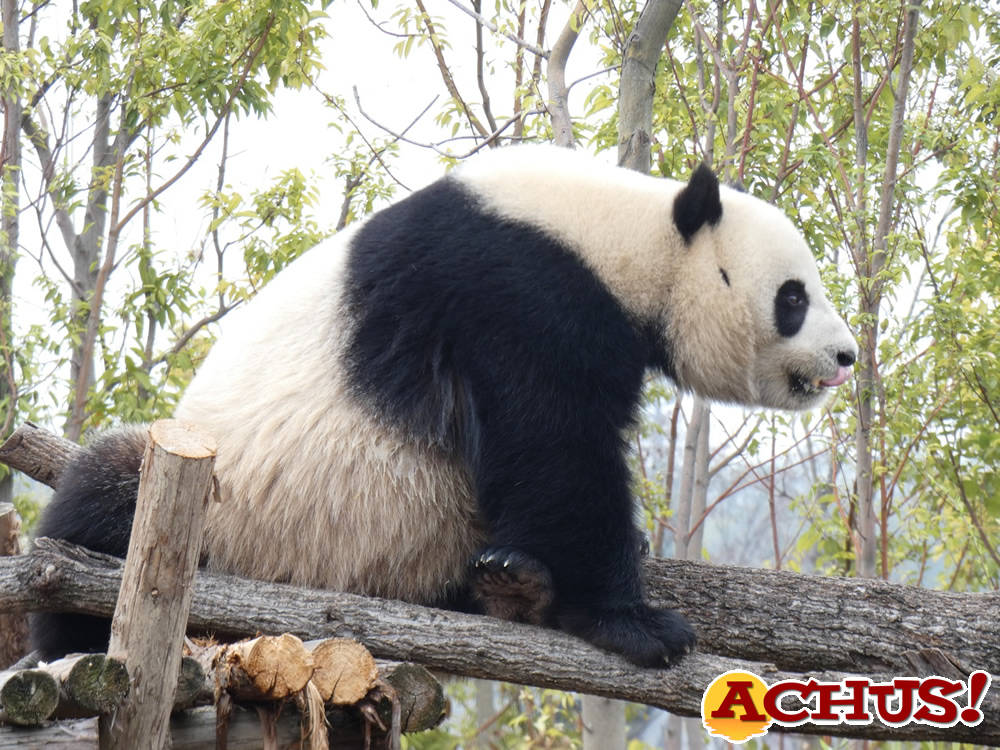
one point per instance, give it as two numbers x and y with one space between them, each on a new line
434 405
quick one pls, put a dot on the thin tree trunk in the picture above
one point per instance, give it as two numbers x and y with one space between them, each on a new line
635 96
10 180
562 123
86 252
870 266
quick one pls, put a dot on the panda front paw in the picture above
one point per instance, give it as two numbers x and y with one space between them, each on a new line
512 585
645 636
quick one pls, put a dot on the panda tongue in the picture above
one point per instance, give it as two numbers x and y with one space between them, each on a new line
842 376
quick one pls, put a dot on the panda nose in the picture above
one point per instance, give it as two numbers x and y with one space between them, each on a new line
845 359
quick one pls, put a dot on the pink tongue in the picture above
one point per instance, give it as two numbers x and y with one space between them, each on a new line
842 376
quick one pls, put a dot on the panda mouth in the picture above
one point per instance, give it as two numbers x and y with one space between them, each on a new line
811 387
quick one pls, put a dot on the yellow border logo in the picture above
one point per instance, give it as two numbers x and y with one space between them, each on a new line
732 707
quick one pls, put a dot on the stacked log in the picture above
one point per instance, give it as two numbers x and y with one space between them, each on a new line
356 697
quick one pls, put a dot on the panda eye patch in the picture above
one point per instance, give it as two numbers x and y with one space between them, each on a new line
791 304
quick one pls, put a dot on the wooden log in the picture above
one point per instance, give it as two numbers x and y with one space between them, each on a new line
193 685
850 624
92 684
265 668
77 734
152 611
37 453
422 701
27 697
344 670
89 684
196 730
13 625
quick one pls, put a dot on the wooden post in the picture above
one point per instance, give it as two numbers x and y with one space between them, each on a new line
13 625
155 598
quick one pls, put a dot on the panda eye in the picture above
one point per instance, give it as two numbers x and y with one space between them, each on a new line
791 304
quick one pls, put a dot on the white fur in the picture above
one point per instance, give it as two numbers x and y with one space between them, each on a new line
312 490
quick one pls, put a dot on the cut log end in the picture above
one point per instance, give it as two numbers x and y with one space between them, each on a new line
345 671
29 697
182 439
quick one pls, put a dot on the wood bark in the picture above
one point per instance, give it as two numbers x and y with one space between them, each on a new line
38 453
829 629
13 625
871 263
151 613
10 212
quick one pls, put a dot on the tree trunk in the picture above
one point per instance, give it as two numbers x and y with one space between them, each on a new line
10 181
871 262
643 49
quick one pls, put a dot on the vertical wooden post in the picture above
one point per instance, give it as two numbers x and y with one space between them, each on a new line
155 597
13 625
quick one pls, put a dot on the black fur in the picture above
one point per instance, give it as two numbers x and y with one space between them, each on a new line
698 203
791 304
492 338
93 506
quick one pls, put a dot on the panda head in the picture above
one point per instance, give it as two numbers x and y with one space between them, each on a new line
750 322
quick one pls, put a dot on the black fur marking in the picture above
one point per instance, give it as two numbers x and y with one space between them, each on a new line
93 507
725 276
492 339
698 203
791 304
512 585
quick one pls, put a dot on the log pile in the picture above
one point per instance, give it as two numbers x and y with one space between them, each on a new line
335 681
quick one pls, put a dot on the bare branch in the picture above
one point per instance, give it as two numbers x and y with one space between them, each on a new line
446 76
482 20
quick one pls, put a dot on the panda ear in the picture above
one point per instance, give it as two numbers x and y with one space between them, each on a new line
698 203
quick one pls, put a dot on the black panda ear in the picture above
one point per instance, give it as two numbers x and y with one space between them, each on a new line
698 203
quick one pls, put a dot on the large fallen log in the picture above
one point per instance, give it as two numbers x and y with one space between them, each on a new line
63 577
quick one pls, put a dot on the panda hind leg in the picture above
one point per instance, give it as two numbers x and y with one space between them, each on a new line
510 584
